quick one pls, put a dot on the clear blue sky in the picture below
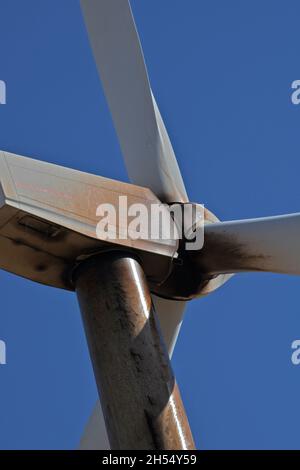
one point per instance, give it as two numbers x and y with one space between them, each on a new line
221 72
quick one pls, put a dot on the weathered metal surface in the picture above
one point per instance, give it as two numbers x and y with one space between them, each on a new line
139 395
268 244
188 279
70 198
224 254
48 221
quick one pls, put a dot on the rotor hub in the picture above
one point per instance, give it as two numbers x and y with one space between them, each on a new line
187 279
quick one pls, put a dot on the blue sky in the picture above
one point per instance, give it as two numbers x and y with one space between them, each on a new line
222 74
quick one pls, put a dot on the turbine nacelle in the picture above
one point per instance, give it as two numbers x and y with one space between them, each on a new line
49 222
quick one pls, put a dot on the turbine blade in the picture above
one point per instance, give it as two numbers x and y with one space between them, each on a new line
146 148
170 314
95 435
267 244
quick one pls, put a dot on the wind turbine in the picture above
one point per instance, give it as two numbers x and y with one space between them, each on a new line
252 245
47 234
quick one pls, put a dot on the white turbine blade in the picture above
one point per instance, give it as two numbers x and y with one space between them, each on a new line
170 314
146 148
95 436
267 244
